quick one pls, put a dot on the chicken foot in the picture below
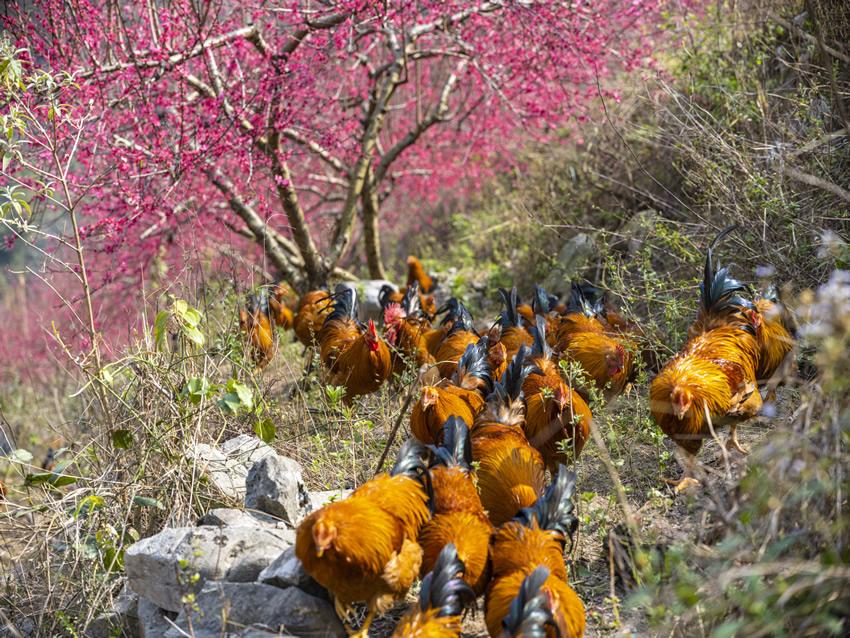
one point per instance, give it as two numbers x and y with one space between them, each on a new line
688 463
364 629
732 441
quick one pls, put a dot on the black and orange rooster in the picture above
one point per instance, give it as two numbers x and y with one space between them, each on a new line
313 307
405 325
555 413
364 548
416 273
459 517
353 353
461 334
511 473
535 612
279 300
513 335
255 321
443 598
463 396
535 538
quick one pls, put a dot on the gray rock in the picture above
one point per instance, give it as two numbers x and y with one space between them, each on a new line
153 621
634 232
232 517
236 607
162 567
287 571
274 486
574 256
320 499
122 619
228 467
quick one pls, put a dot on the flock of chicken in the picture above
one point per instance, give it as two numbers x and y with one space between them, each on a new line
467 506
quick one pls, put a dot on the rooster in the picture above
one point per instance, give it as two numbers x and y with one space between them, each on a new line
535 612
462 397
774 333
712 381
388 294
313 307
459 336
511 474
459 517
255 322
354 354
364 548
541 304
497 354
416 273
405 327
281 312
582 337
536 537
554 412
443 598
514 335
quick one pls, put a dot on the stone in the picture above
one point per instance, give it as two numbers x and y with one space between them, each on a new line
228 467
274 486
574 256
320 499
153 621
232 517
634 232
231 608
287 571
122 619
162 568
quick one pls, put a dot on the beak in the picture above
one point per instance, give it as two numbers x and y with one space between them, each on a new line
319 552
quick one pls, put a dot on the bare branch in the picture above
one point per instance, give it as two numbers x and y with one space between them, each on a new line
817 182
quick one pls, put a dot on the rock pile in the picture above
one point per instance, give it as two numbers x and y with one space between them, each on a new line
235 574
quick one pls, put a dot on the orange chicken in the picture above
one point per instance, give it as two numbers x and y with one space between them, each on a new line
405 327
443 598
255 322
538 610
514 335
460 335
364 548
536 537
355 356
459 517
313 307
463 396
774 333
511 474
415 272
281 312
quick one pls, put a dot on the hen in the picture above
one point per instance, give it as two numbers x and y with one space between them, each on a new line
536 537
555 413
443 598
459 517
463 396
355 356
313 307
364 548
415 272
511 474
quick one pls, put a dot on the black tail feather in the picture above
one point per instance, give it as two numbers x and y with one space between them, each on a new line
554 510
718 290
473 363
443 588
510 317
540 346
456 448
344 303
530 613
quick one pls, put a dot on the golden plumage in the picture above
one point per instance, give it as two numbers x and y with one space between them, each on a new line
436 404
451 350
313 307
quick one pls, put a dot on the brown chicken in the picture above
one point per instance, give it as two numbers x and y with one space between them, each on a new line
581 336
497 354
388 295
405 326
556 415
355 356
536 537
511 474
279 302
459 517
460 335
537 610
774 333
542 303
443 598
364 548
514 335
255 322
415 272
463 396
313 307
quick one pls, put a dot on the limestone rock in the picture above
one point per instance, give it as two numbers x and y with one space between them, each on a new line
287 571
275 486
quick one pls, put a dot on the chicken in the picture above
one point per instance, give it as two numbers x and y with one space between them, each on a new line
536 537
405 327
364 548
497 354
712 381
443 598
459 517
460 335
511 474
541 304
582 337
514 335
774 333
313 307
388 295
463 396
279 301
255 322
355 356
555 413
536 612
415 272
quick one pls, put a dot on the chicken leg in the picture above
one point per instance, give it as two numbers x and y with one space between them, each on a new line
732 441
688 463
364 629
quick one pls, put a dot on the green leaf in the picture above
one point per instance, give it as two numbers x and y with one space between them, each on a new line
147 501
192 317
107 376
39 478
265 429
245 394
88 504
61 480
194 335
7 158
159 327
122 439
179 307
230 403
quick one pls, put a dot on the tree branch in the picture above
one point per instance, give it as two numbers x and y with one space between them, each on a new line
323 153
371 234
817 182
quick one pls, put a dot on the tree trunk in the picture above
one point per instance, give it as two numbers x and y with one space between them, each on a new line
371 233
